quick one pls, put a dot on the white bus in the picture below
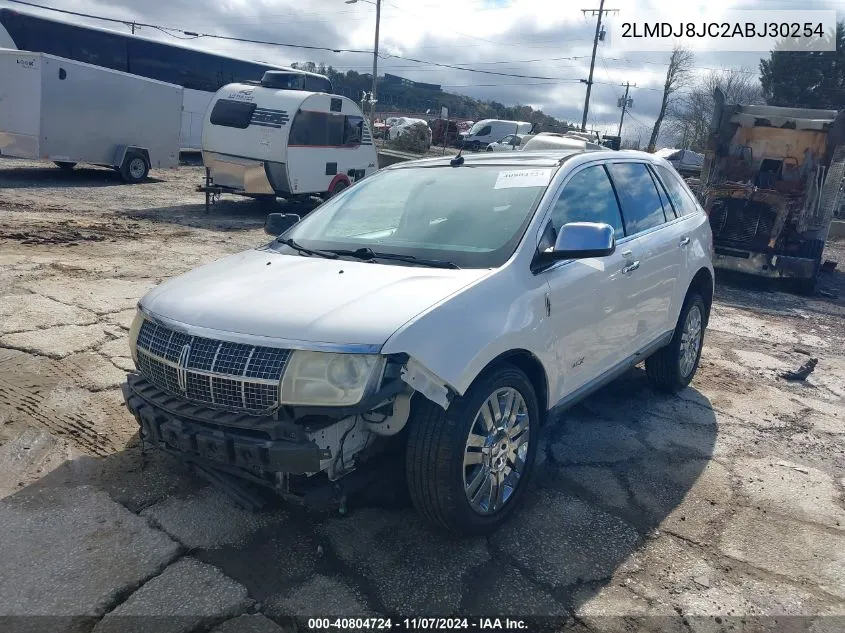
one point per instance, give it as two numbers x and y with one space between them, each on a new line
201 74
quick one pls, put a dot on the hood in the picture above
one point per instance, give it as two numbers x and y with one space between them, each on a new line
264 293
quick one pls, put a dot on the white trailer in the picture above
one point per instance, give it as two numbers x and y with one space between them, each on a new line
260 141
68 112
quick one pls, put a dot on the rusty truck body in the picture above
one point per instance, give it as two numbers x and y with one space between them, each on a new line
770 185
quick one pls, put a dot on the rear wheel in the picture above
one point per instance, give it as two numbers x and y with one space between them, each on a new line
135 167
672 367
468 467
67 166
339 186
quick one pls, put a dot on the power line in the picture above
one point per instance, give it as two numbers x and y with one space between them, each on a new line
195 35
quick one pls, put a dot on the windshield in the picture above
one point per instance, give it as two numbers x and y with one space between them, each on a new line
477 127
471 216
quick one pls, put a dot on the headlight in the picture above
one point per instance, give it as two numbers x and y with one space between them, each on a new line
329 379
134 329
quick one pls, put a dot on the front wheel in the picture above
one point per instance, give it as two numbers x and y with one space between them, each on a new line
672 367
468 467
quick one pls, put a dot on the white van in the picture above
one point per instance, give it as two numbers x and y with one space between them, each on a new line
259 141
489 131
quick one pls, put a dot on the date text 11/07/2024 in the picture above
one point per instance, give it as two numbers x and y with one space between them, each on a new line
417 624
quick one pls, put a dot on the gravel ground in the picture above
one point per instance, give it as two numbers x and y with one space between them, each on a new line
720 508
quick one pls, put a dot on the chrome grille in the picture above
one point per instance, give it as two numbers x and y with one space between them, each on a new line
219 373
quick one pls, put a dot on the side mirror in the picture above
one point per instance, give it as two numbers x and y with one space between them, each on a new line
278 223
580 240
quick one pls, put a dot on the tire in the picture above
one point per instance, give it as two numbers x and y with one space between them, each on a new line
812 250
66 166
134 168
489 149
435 466
339 186
669 371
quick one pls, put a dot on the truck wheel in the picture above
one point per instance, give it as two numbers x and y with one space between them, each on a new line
468 467
672 367
134 168
65 165
812 250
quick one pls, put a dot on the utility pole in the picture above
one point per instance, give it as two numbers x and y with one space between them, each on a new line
599 34
375 68
625 103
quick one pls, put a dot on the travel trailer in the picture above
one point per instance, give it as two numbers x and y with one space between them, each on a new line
260 141
67 112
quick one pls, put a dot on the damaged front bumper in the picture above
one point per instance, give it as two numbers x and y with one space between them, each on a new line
764 264
257 447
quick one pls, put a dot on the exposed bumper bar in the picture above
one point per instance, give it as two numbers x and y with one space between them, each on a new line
765 265
268 451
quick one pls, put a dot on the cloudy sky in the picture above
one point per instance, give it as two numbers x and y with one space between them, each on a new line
548 39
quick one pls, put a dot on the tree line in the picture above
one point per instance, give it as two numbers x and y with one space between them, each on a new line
417 99
794 79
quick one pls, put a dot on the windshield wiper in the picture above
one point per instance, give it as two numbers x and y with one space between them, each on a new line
307 251
368 254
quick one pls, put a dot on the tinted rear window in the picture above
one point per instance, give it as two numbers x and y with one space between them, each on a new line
235 114
641 206
683 202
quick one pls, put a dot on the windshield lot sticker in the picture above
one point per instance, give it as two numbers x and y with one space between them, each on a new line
523 178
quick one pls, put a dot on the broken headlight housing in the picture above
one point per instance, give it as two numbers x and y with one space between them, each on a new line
134 329
329 379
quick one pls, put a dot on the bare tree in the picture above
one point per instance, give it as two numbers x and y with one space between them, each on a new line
680 66
689 117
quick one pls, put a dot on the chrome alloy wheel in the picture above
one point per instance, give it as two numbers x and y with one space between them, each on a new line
690 341
496 450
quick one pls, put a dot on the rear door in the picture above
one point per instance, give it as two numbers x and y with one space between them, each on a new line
650 251
20 103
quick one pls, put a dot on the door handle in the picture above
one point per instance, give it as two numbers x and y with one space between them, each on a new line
684 241
631 267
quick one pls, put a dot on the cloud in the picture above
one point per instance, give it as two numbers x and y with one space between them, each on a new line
539 38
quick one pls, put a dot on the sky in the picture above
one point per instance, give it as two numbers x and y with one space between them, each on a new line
550 39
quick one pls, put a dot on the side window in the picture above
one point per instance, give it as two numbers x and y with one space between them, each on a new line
668 211
684 203
99 49
235 114
337 129
588 197
309 128
353 131
484 131
641 205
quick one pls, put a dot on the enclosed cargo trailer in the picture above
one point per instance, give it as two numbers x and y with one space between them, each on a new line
68 112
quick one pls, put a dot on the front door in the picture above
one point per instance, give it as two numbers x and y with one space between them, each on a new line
586 296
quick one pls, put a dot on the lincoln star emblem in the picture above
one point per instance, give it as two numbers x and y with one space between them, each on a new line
181 370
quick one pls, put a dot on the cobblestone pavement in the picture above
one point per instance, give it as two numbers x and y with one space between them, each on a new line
720 507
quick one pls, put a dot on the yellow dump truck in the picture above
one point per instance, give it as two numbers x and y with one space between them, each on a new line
770 184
